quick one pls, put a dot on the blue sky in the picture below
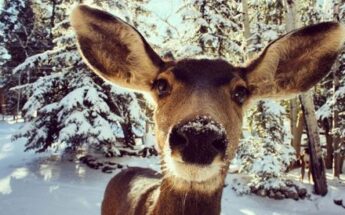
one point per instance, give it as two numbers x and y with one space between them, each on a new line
166 9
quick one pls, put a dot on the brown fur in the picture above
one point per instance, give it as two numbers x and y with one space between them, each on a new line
172 201
118 53
189 202
300 59
118 197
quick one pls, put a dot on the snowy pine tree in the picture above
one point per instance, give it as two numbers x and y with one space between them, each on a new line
17 42
214 30
268 153
72 108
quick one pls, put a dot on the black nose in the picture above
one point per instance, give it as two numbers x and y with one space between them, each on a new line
199 140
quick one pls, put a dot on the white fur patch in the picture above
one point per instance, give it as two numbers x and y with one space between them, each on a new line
190 172
205 179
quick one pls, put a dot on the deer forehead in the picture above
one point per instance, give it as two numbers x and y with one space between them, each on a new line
204 73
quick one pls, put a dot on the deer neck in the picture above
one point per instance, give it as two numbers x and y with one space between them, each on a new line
190 201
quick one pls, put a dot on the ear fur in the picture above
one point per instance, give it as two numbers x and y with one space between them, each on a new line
295 62
115 50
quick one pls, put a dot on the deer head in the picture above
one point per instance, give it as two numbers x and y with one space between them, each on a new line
200 102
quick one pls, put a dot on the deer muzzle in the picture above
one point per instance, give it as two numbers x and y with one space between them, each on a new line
198 141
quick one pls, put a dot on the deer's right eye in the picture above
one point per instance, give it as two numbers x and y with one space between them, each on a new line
240 94
162 86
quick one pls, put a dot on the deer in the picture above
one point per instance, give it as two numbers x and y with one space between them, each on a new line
199 106
305 164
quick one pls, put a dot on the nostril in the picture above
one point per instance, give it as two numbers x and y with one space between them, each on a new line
220 144
177 138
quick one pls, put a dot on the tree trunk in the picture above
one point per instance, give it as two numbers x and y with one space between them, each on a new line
329 143
52 21
295 130
306 99
128 134
335 125
19 96
342 164
290 15
129 139
246 26
297 136
2 101
316 161
293 121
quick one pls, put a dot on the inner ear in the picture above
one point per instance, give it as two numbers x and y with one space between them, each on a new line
114 49
295 62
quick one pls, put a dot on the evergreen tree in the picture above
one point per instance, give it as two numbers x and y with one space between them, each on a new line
17 43
72 108
267 154
213 30
26 30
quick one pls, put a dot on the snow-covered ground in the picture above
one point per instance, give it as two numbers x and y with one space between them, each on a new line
41 184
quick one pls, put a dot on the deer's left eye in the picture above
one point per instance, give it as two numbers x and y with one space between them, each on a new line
162 86
240 94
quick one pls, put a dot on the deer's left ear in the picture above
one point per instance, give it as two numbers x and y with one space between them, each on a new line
295 62
115 50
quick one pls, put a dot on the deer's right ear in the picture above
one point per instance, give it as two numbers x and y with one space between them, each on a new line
115 50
